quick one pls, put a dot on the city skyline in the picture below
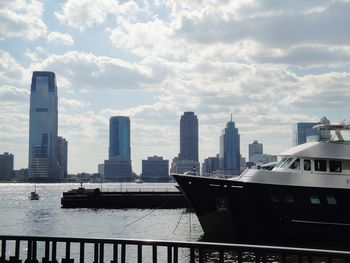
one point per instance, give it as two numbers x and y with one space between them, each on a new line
271 65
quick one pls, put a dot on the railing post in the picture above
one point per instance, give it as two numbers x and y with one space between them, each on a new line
3 250
82 252
221 256
101 252
191 255
34 259
139 253
54 252
96 253
239 256
154 253
115 253
123 253
200 255
29 252
67 259
170 254
176 254
46 259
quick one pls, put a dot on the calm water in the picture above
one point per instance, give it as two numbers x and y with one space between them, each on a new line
21 216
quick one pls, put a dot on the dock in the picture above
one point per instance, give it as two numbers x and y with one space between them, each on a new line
155 198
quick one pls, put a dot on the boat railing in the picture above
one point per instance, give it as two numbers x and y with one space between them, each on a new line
32 249
141 189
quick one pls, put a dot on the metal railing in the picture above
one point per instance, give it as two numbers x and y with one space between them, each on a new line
34 249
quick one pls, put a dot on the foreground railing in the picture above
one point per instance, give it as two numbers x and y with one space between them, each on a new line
32 249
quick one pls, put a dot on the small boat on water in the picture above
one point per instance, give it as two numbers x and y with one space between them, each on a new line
34 195
306 195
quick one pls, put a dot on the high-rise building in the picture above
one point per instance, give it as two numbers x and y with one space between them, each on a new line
43 126
118 166
62 148
119 137
210 165
6 166
303 131
255 148
189 137
155 169
229 155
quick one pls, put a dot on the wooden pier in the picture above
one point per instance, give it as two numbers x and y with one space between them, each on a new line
155 198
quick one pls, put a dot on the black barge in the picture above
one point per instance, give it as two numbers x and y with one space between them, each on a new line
126 198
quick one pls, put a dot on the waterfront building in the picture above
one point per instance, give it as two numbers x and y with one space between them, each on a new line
62 147
230 163
254 148
6 166
181 166
304 132
101 169
210 165
189 137
118 166
243 163
43 128
263 158
117 169
21 174
119 137
155 169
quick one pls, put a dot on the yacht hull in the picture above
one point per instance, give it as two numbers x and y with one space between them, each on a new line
241 209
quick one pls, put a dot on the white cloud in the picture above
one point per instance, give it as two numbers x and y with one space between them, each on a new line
72 103
60 38
22 19
88 13
11 71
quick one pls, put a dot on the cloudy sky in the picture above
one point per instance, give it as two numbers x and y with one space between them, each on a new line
270 63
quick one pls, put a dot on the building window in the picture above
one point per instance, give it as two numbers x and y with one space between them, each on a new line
295 165
335 166
331 200
315 200
307 165
321 165
41 109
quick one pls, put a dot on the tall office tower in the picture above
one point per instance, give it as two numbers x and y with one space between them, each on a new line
189 137
254 149
119 137
155 169
118 166
62 158
229 155
6 166
43 123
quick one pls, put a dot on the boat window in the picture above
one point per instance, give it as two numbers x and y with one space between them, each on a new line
307 165
286 163
281 162
331 200
289 198
321 165
274 198
315 200
295 165
335 166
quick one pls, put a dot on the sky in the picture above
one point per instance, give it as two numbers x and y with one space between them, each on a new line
269 63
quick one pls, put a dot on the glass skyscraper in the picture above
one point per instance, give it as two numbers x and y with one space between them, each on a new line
229 156
189 137
119 137
43 126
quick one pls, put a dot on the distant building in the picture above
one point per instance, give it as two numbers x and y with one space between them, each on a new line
181 166
119 137
189 137
43 128
255 148
117 169
210 165
230 163
62 148
6 166
263 158
155 169
101 169
243 163
304 130
118 166
21 174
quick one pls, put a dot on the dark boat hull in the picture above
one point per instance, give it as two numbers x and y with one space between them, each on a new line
239 209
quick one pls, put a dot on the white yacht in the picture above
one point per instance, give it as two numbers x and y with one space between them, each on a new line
307 194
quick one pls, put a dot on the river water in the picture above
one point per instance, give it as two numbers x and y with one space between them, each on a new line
21 216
